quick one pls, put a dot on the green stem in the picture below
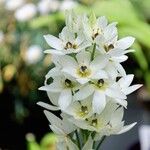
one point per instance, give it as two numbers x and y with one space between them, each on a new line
102 140
93 52
78 139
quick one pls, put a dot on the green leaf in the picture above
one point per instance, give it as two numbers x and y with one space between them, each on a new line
140 57
147 79
49 140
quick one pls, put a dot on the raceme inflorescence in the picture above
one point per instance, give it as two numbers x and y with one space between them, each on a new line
89 85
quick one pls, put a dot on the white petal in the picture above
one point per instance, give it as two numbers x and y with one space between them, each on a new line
127 128
116 52
57 130
52 73
102 22
125 42
53 51
121 102
120 69
51 88
54 120
117 116
68 61
48 106
65 99
83 58
119 59
53 41
110 32
99 62
111 70
115 93
53 97
126 80
101 74
131 89
99 101
84 92
82 80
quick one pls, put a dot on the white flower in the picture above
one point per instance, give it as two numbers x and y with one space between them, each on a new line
116 51
102 89
13 4
84 70
115 125
125 82
34 54
74 22
107 123
67 4
65 86
46 6
80 109
94 28
60 127
26 12
67 42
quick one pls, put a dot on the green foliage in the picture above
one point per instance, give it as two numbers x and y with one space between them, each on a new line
48 142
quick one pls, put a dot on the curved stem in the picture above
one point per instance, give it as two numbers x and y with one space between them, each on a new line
101 141
93 52
78 139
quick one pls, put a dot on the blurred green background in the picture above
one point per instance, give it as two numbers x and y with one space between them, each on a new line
23 64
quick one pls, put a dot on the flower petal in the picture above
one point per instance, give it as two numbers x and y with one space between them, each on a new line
48 106
65 99
125 43
53 41
84 92
83 57
131 88
127 128
126 80
99 101
53 51
99 62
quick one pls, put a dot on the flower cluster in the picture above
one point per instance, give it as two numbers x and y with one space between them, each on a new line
89 84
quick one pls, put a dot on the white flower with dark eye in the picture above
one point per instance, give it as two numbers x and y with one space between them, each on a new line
68 42
83 69
102 89
115 125
116 51
107 123
80 109
94 28
65 86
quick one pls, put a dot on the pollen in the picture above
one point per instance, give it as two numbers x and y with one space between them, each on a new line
108 47
83 71
68 83
70 45
94 122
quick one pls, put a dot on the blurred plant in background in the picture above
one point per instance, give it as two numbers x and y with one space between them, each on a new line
48 142
23 22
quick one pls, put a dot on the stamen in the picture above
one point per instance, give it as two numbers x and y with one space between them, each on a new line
100 82
68 83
